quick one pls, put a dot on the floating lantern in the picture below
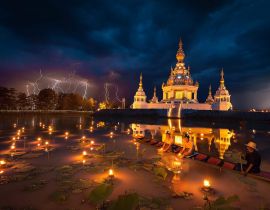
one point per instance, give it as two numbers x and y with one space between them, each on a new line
83 161
14 125
12 147
2 162
91 148
13 138
39 139
92 142
46 143
84 153
66 133
111 134
111 173
1 172
38 145
206 184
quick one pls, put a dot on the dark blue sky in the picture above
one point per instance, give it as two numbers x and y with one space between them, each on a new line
113 41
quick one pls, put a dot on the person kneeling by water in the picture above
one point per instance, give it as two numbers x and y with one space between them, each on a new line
252 158
167 143
188 147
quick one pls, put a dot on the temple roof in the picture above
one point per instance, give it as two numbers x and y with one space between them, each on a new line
155 98
222 91
140 91
180 75
209 99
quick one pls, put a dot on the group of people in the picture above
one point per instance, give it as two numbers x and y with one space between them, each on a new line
250 162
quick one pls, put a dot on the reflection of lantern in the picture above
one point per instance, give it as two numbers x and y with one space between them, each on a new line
178 140
83 161
1 172
176 164
92 142
111 134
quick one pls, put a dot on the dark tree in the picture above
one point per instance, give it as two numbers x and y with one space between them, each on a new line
7 98
47 99
69 101
89 104
22 101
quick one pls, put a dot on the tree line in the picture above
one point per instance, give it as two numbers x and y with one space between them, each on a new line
46 99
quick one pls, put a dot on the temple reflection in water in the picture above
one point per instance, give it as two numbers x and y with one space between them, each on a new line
205 139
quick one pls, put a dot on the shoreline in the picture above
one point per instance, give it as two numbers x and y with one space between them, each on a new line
45 112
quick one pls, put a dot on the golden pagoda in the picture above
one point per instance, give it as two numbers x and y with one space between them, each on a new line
180 86
155 98
140 96
209 99
222 98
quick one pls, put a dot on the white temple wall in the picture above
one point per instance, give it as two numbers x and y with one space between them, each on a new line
198 106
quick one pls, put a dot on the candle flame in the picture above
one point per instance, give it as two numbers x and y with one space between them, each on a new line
206 183
111 172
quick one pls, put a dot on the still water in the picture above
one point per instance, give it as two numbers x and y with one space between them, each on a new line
47 142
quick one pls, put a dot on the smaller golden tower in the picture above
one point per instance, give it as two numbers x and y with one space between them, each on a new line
209 99
155 98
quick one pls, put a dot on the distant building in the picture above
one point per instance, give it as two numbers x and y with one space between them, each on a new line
180 91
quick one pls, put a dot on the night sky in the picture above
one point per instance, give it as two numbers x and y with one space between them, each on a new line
113 41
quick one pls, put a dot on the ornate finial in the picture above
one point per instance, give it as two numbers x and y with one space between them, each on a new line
180 44
180 55
222 78
209 99
141 84
222 74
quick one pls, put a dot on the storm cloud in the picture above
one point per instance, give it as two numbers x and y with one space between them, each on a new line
113 41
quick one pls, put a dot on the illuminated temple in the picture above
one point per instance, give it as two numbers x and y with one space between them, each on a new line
180 91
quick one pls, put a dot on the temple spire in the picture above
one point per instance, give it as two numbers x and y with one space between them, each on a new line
180 55
155 98
222 79
141 84
209 99
210 90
